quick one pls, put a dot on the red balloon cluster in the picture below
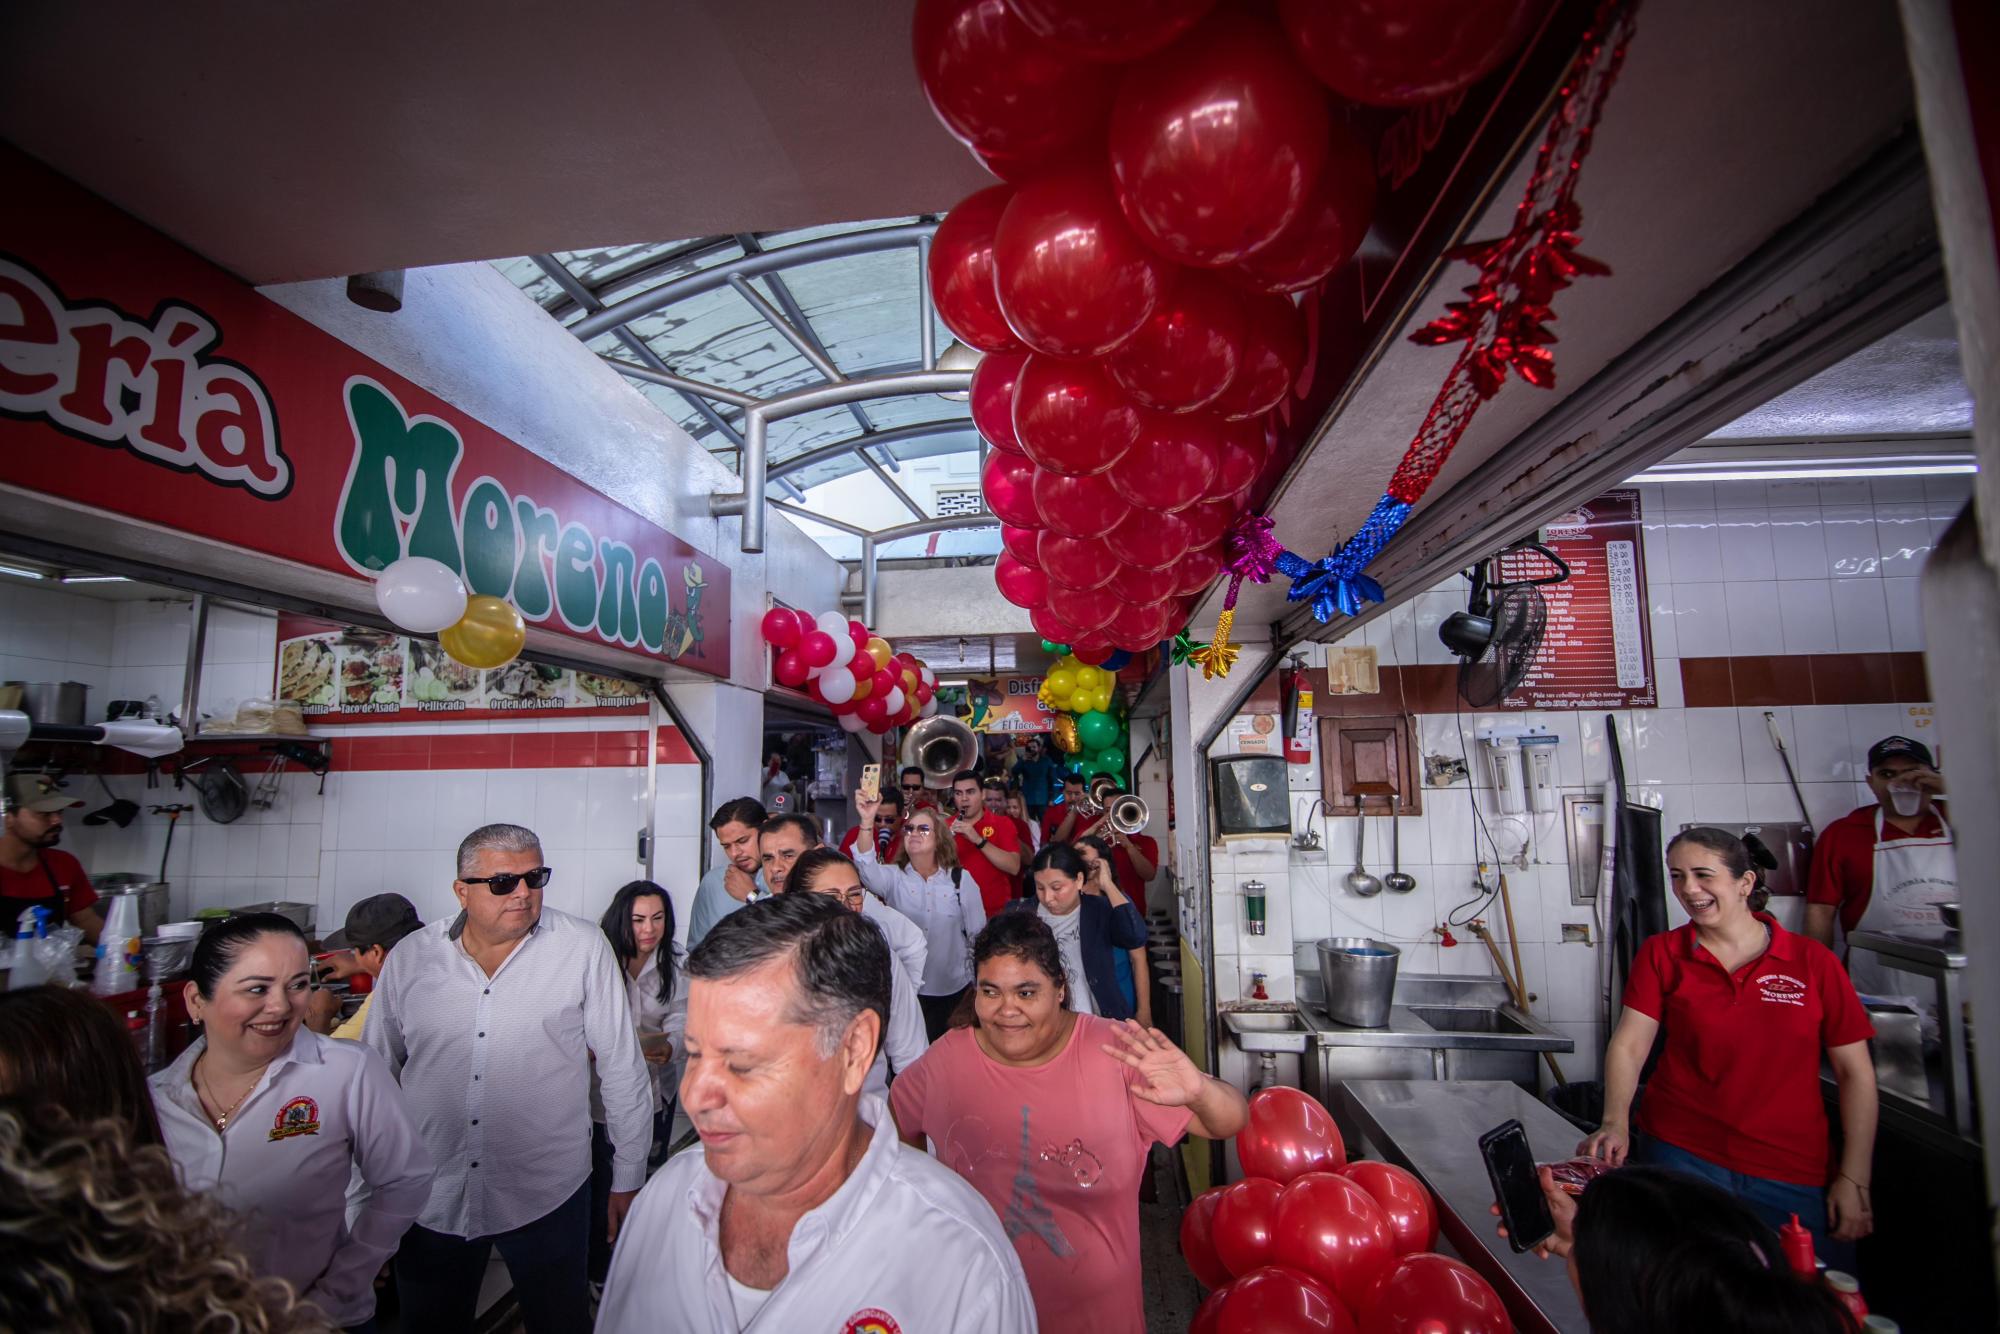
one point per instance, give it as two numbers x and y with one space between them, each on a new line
850 669
1310 1242
1175 170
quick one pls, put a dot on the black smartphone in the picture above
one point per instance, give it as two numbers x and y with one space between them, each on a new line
1510 1165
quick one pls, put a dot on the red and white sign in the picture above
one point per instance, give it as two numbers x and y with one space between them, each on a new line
1597 650
139 379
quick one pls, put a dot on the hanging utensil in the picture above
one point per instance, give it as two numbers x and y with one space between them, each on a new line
222 792
173 814
1358 880
1396 882
265 795
1778 740
120 812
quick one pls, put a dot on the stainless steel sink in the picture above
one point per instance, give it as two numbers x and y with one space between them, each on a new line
1469 1019
1269 1030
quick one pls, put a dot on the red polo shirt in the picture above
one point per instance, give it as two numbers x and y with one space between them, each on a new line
996 887
1127 875
1738 1080
887 845
63 874
1843 861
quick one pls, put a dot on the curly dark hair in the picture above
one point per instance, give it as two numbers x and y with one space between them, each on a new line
103 1238
1019 933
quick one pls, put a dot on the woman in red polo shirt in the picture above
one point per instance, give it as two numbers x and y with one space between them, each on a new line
1748 1008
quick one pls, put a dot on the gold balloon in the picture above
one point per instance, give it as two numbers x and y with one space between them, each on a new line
1067 741
879 652
490 634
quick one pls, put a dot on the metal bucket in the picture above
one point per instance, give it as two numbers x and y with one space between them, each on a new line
154 907
1359 975
53 703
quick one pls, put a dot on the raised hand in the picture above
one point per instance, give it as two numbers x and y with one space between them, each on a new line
1167 1076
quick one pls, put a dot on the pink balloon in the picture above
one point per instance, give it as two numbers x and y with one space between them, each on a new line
1076 562
961 271
1144 587
1289 1135
1183 356
1086 609
993 397
1023 585
1072 278
874 710
781 627
858 632
1078 506
1397 53
1008 484
790 668
1021 543
1070 418
1273 354
1279 1300
1216 140
1412 1213
1435 1294
1330 1228
1243 1223
1328 229
1173 464
1197 1245
884 680
1109 30
1151 541
817 649
1001 89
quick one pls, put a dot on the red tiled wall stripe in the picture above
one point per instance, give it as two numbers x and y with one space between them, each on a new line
508 750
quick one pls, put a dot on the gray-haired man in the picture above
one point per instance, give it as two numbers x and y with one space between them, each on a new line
803 1210
491 1020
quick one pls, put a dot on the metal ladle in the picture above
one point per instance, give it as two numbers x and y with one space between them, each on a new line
1396 882
1358 880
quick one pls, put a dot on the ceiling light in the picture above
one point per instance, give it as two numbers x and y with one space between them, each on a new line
20 573
95 579
958 357
1806 473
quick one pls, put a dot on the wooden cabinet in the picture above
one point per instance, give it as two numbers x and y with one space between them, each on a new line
1370 758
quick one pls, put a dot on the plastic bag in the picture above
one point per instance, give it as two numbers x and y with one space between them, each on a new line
56 954
1573 1174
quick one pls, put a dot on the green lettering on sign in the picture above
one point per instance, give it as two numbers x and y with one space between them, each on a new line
617 613
539 531
652 605
576 577
401 469
489 539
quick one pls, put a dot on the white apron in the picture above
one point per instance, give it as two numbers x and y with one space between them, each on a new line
1912 876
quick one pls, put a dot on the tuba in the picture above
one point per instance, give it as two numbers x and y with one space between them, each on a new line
941 746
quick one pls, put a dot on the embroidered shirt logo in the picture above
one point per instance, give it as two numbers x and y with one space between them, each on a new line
300 1116
1780 989
871 1321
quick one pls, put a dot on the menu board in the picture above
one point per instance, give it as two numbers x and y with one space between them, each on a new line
339 674
1597 650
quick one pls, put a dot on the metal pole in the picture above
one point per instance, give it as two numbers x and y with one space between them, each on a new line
732 397
838 525
776 319
868 573
882 474
880 439
191 678
926 324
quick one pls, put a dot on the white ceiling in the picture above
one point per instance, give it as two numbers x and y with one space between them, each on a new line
1910 383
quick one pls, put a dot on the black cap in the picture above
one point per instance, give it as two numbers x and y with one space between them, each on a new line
379 919
1899 747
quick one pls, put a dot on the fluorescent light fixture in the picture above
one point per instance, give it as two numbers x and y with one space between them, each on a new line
20 573
1802 470
95 579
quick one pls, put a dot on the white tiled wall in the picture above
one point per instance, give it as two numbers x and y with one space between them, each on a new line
1732 569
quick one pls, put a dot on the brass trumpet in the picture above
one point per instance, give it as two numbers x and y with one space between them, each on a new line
1123 811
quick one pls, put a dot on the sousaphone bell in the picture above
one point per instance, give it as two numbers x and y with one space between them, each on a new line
941 746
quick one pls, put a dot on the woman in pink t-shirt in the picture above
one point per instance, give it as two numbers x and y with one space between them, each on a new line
1050 1115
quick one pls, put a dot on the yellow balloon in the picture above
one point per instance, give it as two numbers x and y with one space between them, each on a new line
1060 681
1067 740
864 684
490 634
1087 677
1068 662
878 649
1101 701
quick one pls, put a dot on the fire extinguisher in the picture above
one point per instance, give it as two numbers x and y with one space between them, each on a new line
1295 688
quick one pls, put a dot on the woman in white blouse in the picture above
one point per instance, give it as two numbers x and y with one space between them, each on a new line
926 884
640 926
274 1120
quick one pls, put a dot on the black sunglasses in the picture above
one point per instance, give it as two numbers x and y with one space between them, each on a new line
504 882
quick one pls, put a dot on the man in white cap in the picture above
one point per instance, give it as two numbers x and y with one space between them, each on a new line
34 873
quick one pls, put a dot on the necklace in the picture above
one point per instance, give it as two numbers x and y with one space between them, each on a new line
208 1099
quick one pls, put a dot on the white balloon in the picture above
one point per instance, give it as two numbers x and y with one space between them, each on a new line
420 595
929 677
930 706
843 653
834 624
851 722
836 687
895 700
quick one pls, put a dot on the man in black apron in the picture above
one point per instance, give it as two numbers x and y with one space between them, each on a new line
33 872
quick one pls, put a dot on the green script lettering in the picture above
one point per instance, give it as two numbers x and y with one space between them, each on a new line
401 469
539 531
489 539
576 577
617 612
652 605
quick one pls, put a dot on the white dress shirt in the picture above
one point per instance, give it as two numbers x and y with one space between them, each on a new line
321 1113
497 1069
905 1243
906 938
712 902
904 1038
650 1014
949 915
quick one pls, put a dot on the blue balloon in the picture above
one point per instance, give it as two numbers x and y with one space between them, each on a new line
1118 660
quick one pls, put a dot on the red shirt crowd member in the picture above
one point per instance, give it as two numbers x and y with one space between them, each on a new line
1748 1009
1885 867
999 800
1073 818
888 829
33 872
988 848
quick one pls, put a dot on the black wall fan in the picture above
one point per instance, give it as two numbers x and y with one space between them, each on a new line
1500 631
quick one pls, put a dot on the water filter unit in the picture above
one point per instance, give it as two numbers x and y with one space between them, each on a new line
1538 754
1503 761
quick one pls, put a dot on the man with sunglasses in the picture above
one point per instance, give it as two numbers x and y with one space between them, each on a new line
911 784
492 1021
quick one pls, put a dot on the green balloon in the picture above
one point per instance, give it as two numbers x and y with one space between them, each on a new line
1097 730
1050 646
1113 760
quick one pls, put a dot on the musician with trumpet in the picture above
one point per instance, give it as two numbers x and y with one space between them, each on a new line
1097 807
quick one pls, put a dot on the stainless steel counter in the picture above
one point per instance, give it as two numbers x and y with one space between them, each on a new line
1433 1129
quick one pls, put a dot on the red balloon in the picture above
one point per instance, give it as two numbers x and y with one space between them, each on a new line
1137 627
1239 457
1412 1214
1274 352
1143 587
1197 1245
1022 585
1243 1223
1001 89
1216 140
1277 1300
884 680
1173 465
1396 53
1092 654
1330 226
781 627
858 632
1109 30
961 272
1197 570
1208 1317
791 668
1086 609
1332 1229
818 649
1008 484
1076 562
1208 521
1435 1294
1022 543
874 710
1053 627
1289 1135
993 395
1073 278
1185 353
1152 541
1078 506
1070 418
